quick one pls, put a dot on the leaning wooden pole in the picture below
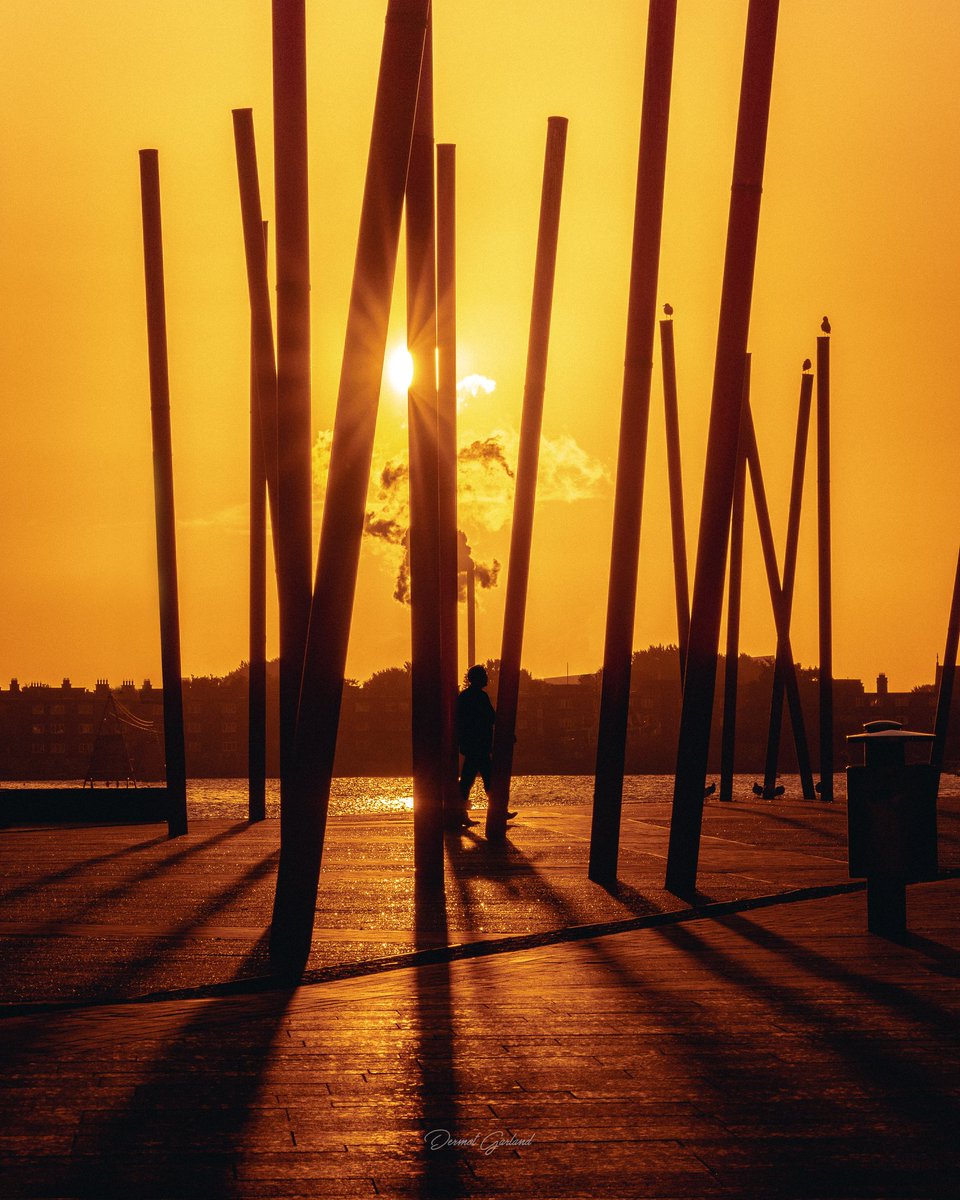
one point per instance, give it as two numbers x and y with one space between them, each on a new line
734 324
447 410
423 424
524 496
789 575
671 416
735 573
631 458
781 613
293 360
348 476
825 566
173 740
257 668
258 288
947 677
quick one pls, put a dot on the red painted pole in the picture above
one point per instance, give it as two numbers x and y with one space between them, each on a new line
347 480
789 576
261 319
825 564
173 738
732 663
447 407
671 415
734 324
524 497
257 668
631 459
427 700
293 365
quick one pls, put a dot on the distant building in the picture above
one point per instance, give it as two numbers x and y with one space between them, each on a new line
48 732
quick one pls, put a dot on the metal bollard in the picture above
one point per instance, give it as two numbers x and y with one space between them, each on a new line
891 822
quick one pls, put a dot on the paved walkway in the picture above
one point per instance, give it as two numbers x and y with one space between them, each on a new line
122 911
776 1051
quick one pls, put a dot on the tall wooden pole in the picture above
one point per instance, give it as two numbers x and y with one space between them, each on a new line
781 614
427 700
631 458
348 476
947 677
671 416
293 360
258 287
732 662
789 576
257 669
471 613
524 496
447 408
826 567
734 324
174 749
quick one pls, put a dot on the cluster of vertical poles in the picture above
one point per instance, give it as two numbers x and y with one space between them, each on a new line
732 449
314 624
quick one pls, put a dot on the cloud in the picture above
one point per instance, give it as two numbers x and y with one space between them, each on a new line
472 386
485 485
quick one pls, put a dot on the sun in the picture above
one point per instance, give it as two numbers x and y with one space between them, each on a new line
400 369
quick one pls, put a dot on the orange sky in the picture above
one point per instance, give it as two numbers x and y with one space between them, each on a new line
858 221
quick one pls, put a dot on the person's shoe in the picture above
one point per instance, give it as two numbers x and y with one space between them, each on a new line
466 820
511 815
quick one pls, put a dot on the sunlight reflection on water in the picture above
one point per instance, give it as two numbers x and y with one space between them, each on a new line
382 795
385 795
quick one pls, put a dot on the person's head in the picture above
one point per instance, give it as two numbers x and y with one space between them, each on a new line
477 676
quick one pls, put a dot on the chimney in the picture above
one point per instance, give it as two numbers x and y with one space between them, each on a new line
882 686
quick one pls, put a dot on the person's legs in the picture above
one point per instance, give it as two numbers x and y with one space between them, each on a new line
471 768
484 770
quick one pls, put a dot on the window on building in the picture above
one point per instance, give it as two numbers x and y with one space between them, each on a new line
58 748
58 709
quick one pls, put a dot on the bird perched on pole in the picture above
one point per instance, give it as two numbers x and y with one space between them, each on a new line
668 310
806 364
825 324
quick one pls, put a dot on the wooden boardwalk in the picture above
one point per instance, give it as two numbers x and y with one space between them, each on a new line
774 1051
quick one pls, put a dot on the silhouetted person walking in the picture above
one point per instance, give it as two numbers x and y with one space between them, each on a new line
475 718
